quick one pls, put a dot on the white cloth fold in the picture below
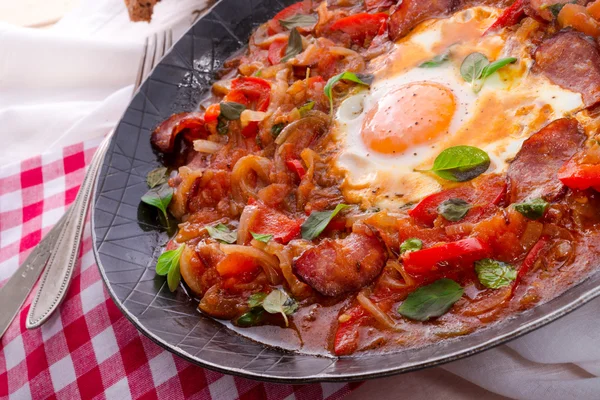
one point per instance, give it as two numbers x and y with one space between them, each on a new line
72 82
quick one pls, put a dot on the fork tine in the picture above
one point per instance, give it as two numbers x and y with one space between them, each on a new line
140 74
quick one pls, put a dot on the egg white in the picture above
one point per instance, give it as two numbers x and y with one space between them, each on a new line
526 103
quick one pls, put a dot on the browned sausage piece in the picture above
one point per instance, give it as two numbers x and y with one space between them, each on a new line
192 123
571 60
344 265
409 13
533 172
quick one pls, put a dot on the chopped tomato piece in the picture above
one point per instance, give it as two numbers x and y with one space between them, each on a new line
297 167
274 26
489 191
346 335
269 221
276 51
593 9
362 26
580 176
509 17
254 93
236 264
463 251
577 17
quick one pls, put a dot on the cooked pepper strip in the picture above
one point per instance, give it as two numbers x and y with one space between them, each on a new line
464 251
580 176
509 17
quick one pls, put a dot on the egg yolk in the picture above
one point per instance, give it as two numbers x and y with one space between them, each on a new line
409 116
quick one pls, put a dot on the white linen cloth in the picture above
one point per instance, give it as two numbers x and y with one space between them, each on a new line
72 82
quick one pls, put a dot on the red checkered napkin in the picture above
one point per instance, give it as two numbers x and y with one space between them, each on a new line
89 349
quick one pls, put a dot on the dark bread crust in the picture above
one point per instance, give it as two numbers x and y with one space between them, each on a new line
140 10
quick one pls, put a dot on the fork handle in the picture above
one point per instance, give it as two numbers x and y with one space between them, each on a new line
58 272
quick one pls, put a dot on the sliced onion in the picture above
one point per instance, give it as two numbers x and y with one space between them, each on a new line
207 146
269 263
405 275
376 312
251 116
313 117
222 87
178 205
265 42
299 289
342 51
247 217
242 185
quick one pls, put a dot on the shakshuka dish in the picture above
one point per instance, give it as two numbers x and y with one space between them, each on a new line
377 175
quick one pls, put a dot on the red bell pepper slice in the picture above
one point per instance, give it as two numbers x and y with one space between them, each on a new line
276 51
580 176
297 167
509 17
346 335
254 93
362 26
274 26
269 221
463 251
529 260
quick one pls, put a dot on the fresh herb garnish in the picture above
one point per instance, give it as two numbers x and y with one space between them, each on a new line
298 21
261 237
437 60
276 129
222 233
460 163
278 302
306 108
318 221
256 299
411 244
222 125
156 177
557 7
476 67
453 209
432 300
294 46
361 79
251 318
231 110
532 209
159 197
494 274
168 264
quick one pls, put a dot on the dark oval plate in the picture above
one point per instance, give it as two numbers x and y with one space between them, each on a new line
128 238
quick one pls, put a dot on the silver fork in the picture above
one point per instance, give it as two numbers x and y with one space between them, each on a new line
59 249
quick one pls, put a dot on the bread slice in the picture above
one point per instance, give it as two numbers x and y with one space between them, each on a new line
140 10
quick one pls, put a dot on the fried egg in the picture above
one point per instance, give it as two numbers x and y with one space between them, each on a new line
410 113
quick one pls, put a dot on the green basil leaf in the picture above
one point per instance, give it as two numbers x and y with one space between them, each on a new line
453 209
251 318
533 209
411 244
437 60
432 300
298 21
174 277
261 237
231 110
156 177
222 125
472 67
256 299
494 274
167 260
159 197
222 233
361 79
276 129
317 221
496 65
278 302
461 163
306 108
294 46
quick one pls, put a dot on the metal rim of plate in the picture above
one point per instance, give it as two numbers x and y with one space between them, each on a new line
127 236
